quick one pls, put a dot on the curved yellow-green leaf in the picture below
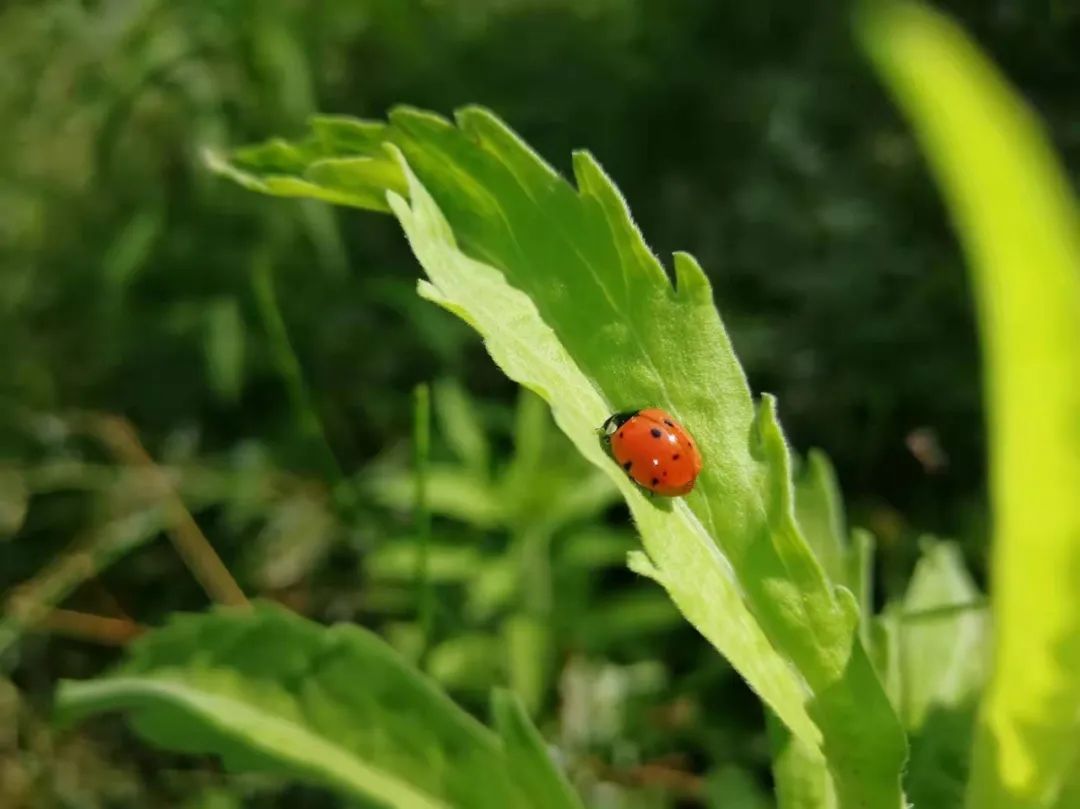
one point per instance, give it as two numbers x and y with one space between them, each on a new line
1020 227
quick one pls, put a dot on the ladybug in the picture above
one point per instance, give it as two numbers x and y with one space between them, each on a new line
655 450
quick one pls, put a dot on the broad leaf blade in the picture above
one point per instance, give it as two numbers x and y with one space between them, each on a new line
270 690
573 305
1018 222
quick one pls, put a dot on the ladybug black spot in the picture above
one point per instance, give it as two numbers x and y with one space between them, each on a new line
656 432
675 457
627 465
620 434
669 422
655 481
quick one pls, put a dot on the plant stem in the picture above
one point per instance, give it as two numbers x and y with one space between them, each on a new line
187 538
288 365
89 627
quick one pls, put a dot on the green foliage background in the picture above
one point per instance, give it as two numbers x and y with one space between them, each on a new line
267 352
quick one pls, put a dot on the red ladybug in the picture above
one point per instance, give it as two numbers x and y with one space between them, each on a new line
654 449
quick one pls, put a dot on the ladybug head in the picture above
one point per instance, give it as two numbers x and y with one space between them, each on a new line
617 420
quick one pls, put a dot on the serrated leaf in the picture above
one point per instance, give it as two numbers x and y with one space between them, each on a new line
1017 220
267 690
574 306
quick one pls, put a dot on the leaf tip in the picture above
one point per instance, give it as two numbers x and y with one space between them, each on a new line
691 282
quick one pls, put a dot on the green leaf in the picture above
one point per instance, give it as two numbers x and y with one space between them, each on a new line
530 657
1017 220
468 660
943 655
943 651
267 690
799 771
396 560
821 514
528 754
860 575
573 305
460 427
223 347
452 492
14 501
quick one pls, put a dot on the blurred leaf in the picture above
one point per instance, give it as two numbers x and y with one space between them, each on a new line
494 588
635 614
396 560
940 762
299 533
529 657
1017 219
944 654
451 492
131 248
14 500
267 690
572 305
467 661
224 347
943 660
594 547
1070 792
461 428
594 695
528 754
732 787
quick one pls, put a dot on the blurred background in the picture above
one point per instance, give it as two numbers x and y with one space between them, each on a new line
263 353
